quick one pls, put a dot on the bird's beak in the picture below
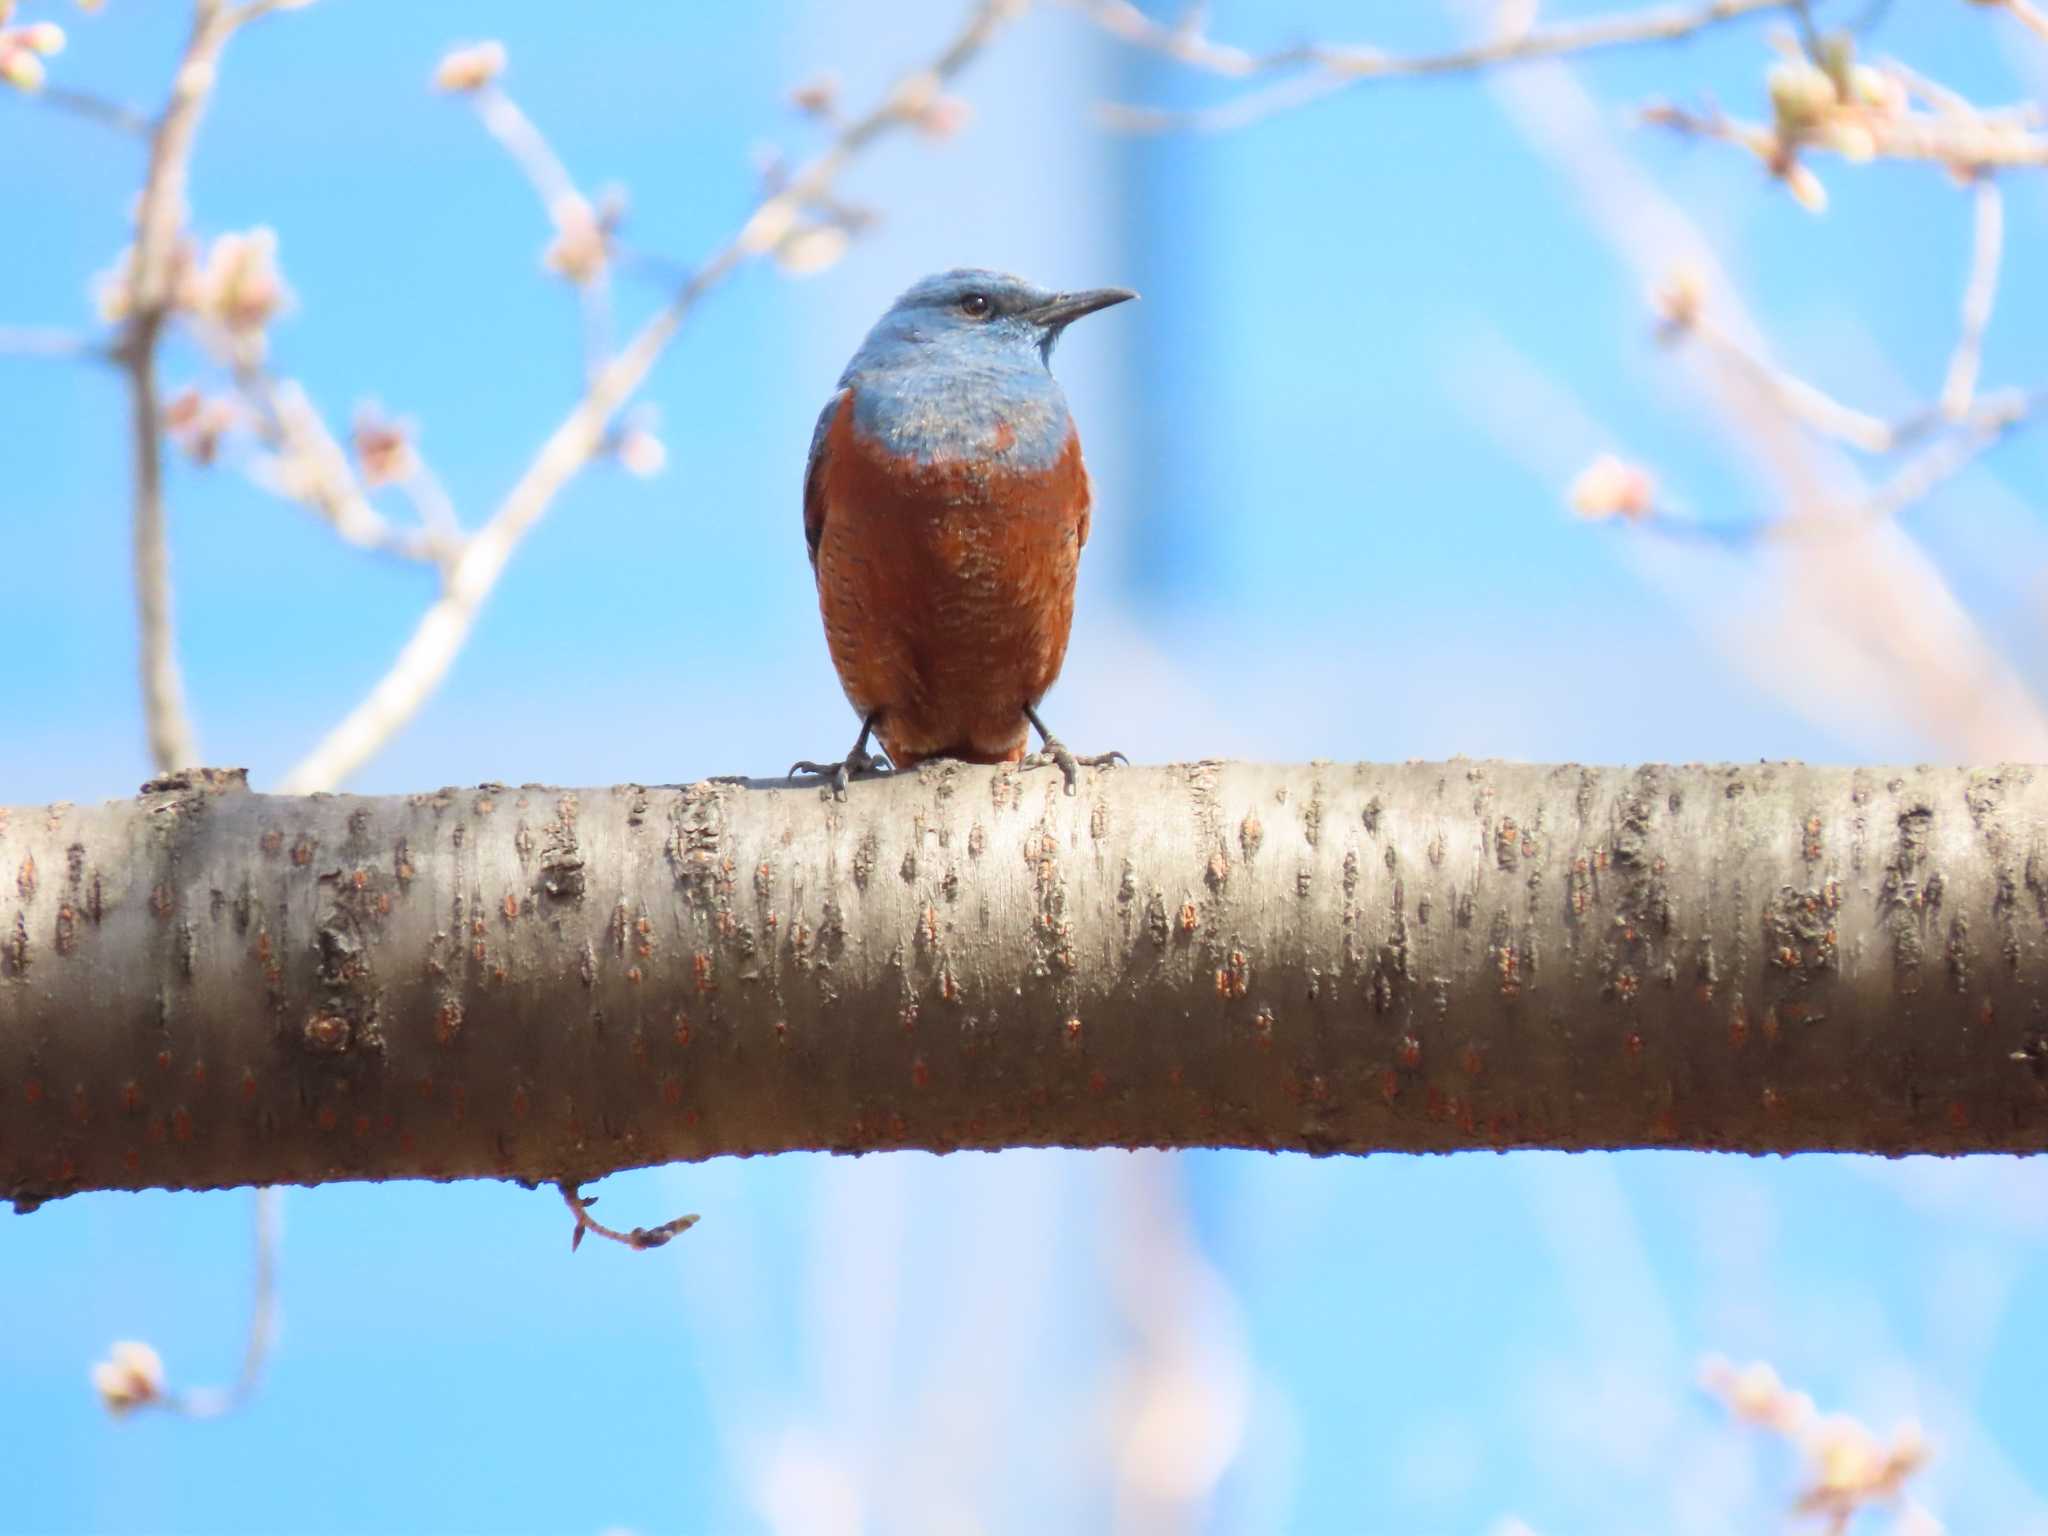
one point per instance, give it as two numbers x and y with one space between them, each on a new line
1065 308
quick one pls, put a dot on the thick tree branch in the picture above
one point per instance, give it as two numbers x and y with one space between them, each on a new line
206 987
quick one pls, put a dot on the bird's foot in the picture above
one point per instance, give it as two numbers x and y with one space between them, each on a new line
857 764
1056 752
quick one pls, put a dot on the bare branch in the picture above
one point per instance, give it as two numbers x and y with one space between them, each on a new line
2030 16
582 248
1804 402
311 468
1330 68
1942 461
1960 386
112 114
160 224
425 658
1882 634
526 144
213 1402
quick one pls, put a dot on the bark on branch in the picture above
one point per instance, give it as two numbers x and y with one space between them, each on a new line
205 987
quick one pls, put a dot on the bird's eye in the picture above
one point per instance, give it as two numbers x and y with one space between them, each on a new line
975 305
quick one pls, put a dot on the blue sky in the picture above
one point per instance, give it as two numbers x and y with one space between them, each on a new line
1330 446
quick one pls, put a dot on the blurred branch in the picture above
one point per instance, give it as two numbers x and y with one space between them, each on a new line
1883 638
1330 67
2029 15
153 294
581 251
1988 238
1979 428
1804 402
98 109
1849 1470
310 467
133 1377
1919 477
1967 146
425 658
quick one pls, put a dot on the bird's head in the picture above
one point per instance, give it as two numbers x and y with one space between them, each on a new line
973 312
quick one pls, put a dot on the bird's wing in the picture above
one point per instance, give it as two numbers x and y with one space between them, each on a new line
814 472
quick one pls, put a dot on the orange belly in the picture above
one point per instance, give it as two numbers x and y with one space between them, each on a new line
947 593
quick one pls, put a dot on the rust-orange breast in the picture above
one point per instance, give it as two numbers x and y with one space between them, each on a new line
947 589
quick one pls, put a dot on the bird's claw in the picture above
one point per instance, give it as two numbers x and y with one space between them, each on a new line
857 764
1056 752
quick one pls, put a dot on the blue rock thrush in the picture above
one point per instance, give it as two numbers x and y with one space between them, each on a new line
945 507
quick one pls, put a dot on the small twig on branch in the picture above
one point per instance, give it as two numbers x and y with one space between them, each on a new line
112 114
212 1402
581 252
425 658
1330 68
527 146
639 1237
310 467
1920 476
1960 386
1804 402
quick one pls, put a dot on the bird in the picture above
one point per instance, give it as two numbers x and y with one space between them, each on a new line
945 508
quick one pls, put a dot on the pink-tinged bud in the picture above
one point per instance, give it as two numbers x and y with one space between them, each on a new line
581 246
1801 95
20 68
133 1378
471 68
1613 487
1846 1458
811 249
198 423
641 453
182 409
384 448
87 5
1680 298
766 229
1805 187
915 95
817 97
240 287
44 37
946 116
